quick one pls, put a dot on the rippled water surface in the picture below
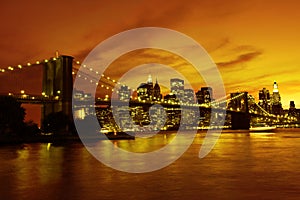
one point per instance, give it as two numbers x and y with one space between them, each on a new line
241 166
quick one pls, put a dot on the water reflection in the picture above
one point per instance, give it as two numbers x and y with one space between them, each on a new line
145 144
241 166
262 135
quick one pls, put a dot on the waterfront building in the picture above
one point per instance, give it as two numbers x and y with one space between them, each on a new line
122 117
173 118
106 118
157 116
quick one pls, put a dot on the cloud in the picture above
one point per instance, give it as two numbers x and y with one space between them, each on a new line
244 48
240 59
220 45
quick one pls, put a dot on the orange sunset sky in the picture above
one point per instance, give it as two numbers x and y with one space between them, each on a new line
253 43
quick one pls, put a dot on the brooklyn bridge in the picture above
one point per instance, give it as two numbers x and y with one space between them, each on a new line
58 95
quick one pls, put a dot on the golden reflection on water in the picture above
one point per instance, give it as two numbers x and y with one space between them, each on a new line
38 165
145 144
261 135
241 166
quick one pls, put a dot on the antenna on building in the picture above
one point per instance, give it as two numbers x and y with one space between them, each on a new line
275 87
56 54
149 79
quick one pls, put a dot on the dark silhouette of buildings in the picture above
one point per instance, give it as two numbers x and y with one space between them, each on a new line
156 92
171 98
204 95
293 111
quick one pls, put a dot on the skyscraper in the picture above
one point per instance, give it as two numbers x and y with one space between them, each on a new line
146 91
177 87
276 101
189 96
204 95
293 112
156 91
265 99
150 86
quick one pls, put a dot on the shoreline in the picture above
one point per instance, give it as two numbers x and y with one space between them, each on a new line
7 140
65 138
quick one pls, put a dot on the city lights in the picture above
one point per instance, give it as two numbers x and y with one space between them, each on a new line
268 108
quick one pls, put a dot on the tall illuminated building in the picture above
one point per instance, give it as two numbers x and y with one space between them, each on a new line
177 87
265 99
189 96
276 100
147 92
156 91
150 86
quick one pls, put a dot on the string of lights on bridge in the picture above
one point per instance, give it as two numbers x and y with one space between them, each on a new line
41 61
110 83
28 64
217 102
86 76
93 80
90 69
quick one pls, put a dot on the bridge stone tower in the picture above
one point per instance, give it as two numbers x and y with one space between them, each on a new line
240 118
58 83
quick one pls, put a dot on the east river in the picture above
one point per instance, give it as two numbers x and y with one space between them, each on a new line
240 166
